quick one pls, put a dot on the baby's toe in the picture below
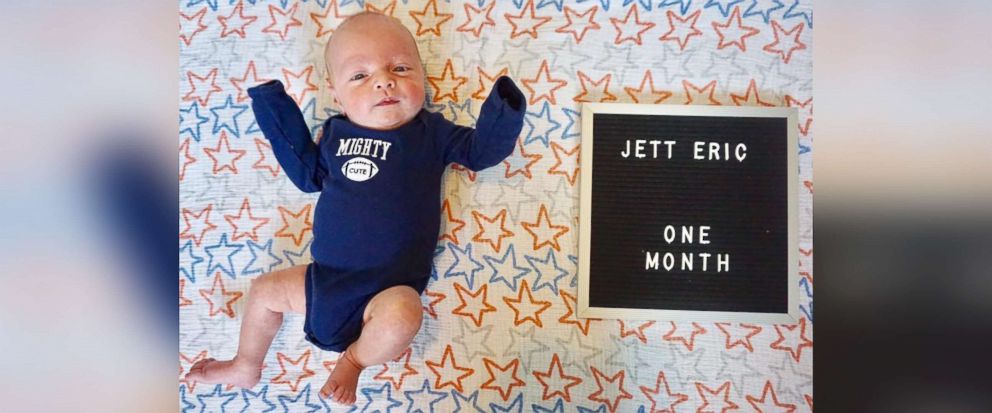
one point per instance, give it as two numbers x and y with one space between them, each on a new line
200 365
194 372
339 394
328 389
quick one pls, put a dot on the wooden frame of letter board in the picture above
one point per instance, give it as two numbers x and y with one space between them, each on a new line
585 215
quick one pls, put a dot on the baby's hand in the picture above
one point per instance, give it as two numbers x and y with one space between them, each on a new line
508 91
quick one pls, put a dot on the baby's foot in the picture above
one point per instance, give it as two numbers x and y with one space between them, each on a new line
340 387
212 371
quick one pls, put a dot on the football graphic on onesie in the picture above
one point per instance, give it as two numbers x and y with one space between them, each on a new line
359 169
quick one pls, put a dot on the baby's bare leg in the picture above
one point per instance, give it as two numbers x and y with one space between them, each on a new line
391 320
269 297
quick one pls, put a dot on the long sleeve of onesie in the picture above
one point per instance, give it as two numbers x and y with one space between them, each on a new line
495 133
282 123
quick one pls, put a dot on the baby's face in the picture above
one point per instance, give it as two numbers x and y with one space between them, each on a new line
376 75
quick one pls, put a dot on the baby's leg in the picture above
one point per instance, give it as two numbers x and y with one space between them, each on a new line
270 296
391 320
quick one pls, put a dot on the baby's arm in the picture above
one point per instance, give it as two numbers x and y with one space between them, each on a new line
282 124
495 134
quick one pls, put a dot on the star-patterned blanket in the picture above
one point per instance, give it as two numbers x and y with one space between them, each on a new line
500 331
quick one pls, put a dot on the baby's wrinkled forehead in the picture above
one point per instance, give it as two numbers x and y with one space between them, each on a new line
367 27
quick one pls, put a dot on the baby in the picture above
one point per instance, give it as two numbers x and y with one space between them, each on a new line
378 168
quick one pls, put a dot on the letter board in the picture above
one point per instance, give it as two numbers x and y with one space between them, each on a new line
688 213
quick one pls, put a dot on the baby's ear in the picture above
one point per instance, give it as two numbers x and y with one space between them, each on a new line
336 105
334 98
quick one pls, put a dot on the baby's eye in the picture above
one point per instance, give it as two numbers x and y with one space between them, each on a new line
358 76
401 69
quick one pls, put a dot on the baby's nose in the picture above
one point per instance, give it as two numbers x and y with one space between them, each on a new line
385 82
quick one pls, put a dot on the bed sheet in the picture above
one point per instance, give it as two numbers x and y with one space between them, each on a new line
500 331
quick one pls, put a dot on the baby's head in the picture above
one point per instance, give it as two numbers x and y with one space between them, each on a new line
377 79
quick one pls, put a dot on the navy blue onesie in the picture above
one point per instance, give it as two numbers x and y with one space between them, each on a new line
377 219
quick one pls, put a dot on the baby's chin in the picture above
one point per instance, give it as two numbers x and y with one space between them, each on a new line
386 121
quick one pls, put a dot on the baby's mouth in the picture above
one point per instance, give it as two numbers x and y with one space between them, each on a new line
388 101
